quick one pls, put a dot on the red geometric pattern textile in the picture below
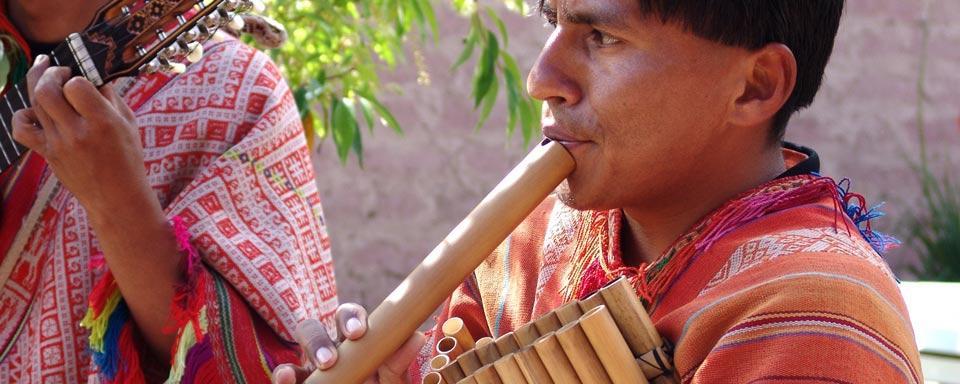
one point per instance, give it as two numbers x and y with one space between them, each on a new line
224 150
827 239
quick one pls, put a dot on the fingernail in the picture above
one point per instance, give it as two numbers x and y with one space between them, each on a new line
39 59
353 326
324 355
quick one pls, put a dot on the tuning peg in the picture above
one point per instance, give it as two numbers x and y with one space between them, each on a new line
194 52
171 52
212 21
231 5
176 68
191 35
236 23
255 5
153 66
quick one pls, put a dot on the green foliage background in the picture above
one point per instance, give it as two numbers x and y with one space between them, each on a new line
337 47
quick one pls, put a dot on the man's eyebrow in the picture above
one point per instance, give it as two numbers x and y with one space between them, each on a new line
595 16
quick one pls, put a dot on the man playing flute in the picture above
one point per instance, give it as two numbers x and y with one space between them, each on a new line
753 266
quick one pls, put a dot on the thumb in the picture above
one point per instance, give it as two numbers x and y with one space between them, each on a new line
395 368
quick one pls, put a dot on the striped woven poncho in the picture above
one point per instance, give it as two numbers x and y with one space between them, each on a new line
225 153
778 285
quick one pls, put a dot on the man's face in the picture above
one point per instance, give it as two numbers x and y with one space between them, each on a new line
638 103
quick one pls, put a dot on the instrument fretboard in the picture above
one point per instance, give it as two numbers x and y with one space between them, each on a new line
16 98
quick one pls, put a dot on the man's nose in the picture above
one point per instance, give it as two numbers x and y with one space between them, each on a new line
552 78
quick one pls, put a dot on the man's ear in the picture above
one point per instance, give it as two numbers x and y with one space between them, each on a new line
768 81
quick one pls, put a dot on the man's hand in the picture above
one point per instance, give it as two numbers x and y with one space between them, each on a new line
321 351
89 138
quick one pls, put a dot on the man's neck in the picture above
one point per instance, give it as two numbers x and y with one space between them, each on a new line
648 231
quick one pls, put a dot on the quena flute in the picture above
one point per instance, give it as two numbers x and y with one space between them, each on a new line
460 253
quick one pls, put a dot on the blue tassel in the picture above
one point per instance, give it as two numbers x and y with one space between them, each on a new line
109 359
861 217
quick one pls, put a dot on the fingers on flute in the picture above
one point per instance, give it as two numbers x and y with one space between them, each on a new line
351 321
316 342
290 374
395 368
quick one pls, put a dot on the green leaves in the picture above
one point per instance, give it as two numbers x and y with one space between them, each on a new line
336 49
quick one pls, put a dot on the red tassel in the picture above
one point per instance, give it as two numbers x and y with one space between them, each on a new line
101 293
130 373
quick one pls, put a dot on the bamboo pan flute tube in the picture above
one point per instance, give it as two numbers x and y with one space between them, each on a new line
454 327
581 354
487 375
449 346
468 380
509 371
569 312
415 299
487 351
439 362
452 373
506 344
433 378
556 362
526 334
469 362
611 349
548 323
532 368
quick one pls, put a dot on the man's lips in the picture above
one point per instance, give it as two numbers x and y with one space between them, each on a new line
562 136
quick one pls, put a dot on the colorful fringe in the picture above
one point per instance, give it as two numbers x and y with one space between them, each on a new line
112 333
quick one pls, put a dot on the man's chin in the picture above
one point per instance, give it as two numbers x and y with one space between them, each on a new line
570 199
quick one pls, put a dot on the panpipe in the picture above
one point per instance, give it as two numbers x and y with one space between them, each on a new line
458 255
606 338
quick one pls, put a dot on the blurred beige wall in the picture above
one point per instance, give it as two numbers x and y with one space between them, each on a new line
384 218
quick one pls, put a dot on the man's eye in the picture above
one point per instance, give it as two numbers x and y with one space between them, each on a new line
603 39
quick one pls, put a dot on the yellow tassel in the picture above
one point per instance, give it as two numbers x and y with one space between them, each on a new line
187 340
98 324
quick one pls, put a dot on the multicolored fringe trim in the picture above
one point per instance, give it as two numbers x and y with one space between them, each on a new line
112 334
855 206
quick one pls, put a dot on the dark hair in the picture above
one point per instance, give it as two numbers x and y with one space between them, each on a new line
807 27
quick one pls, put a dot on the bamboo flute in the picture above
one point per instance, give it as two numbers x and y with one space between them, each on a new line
452 373
454 327
468 380
611 349
439 362
591 302
487 375
469 362
449 346
433 378
531 366
506 344
487 352
509 371
471 242
548 323
526 334
569 312
556 362
637 328
581 354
